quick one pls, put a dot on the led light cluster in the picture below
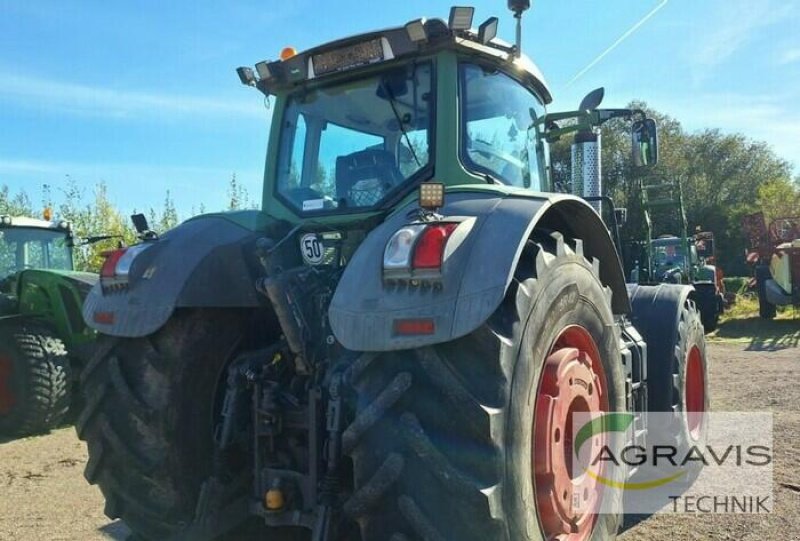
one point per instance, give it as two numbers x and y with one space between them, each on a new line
418 247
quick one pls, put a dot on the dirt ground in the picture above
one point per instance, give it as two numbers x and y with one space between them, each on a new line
43 494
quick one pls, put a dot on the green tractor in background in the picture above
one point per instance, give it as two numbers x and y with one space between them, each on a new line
680 259
43 338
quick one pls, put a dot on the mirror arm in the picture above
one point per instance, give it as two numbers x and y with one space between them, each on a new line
586 121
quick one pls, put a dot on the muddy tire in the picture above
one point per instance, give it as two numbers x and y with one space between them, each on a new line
685 392
443 439
35 379
149 417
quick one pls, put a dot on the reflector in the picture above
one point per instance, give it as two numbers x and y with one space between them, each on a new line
410 327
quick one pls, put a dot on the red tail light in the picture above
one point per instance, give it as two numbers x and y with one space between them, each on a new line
110 264
429 250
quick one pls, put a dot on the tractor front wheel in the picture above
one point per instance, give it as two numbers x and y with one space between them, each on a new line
471 439
35 379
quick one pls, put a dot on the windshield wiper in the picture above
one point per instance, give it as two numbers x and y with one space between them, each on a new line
400 122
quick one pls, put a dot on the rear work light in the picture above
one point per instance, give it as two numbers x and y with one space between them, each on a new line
418 247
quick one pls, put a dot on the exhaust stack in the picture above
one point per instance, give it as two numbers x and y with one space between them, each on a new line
587 180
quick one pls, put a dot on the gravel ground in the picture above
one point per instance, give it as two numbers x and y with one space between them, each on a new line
43 494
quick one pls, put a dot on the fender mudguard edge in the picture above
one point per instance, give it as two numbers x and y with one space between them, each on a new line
475 276
206 262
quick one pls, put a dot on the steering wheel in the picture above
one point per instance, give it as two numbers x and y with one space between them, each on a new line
513 166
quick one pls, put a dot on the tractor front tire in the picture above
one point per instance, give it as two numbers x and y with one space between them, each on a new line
149 418
35 379
444 439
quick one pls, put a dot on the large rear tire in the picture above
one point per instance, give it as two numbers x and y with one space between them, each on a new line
149 418
35 379
444 441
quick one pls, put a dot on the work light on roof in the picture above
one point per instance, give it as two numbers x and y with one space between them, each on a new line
416 31
262 68
461 18
246 76
488 30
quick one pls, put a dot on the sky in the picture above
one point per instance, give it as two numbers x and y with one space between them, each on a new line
144 95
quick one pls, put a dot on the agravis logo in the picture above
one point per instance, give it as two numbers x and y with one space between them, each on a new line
666 463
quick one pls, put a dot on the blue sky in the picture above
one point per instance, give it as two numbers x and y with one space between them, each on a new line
144 95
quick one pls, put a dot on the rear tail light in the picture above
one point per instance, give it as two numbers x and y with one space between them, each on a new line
429 250
418 247
109 269
117 266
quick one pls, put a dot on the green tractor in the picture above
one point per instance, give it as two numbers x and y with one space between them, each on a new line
43 338
680 259
395 345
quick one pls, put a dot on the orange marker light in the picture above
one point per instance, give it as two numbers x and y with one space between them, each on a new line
288 52
48 213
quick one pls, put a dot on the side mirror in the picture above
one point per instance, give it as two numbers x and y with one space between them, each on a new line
644 137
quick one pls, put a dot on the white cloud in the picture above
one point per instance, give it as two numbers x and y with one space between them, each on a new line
76 98
736 22
789 56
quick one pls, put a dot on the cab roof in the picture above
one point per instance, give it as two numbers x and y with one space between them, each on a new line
360 51
7 222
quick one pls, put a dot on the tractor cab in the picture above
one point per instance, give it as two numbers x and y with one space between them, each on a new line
29 243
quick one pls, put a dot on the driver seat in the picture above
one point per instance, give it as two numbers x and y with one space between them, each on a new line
364 177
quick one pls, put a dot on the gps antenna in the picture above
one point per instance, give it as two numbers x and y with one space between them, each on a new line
519 7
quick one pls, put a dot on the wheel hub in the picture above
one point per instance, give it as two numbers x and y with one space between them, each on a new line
572 382
6 394
695 393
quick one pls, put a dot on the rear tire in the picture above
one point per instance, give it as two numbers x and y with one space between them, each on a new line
35 379
149 418
442 443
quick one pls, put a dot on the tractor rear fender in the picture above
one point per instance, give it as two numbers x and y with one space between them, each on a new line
206 262
656 312
474 276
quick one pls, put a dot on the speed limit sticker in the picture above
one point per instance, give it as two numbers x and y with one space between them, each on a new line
311 248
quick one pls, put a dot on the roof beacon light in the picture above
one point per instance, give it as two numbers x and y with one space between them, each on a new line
416 31
461 18
488 30
431 195
288 52
48 213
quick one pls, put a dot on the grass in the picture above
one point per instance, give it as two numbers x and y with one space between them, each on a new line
741 324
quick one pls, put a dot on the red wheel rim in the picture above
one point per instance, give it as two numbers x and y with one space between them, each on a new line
6 394
573 380
695 392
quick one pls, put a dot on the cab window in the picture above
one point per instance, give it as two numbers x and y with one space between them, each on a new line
498 133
